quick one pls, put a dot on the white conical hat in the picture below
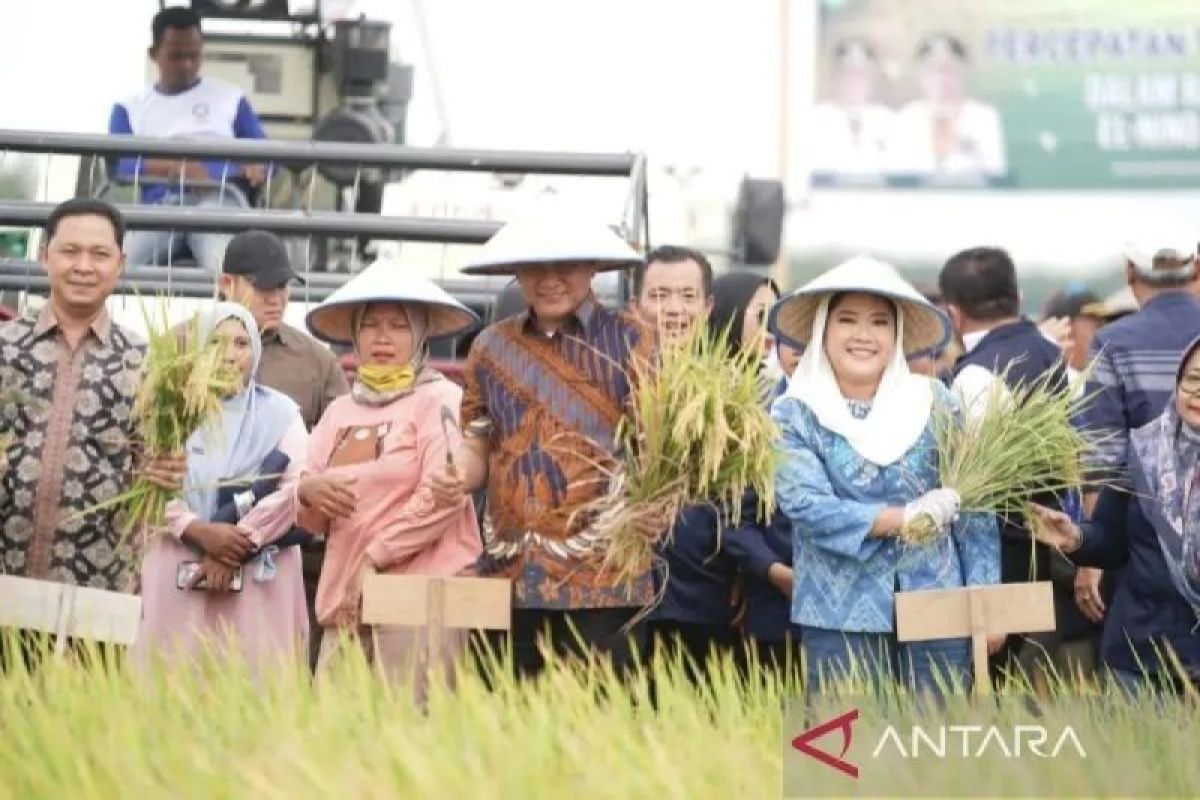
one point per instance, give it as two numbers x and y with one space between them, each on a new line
926 329
551 237
387 281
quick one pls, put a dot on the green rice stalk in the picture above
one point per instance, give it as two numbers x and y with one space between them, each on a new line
697 432
1023 445
183 381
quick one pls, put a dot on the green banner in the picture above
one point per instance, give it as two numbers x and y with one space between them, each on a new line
1040 94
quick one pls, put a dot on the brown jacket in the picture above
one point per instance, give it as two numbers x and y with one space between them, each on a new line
306 371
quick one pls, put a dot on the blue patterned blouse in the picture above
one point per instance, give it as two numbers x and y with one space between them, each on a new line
845 580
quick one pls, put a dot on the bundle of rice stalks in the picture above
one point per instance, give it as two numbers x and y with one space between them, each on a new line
183 380
698 431
1018 445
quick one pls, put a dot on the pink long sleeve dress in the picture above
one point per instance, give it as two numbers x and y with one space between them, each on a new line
395 526
267 620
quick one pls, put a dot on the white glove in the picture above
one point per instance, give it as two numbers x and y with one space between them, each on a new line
940 505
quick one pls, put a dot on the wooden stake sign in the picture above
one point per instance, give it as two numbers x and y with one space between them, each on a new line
436 604
976 612
69 612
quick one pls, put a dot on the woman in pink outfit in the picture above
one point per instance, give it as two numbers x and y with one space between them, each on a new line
191 571
371 457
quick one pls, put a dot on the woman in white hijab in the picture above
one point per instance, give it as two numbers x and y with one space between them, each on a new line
225 572
860 460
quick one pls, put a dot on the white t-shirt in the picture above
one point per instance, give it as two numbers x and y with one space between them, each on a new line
211 109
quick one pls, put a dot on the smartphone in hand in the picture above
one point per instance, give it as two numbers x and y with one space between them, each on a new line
187 571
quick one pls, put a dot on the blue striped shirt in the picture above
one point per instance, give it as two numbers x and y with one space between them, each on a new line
1136 359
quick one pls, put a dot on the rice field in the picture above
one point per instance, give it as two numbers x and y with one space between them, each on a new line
75 729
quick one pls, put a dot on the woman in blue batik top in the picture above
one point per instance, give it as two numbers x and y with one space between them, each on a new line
859 460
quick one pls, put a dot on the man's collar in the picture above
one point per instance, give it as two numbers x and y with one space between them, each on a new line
578 321
281 334
167 93
1166 296
972 340
47 321
975 338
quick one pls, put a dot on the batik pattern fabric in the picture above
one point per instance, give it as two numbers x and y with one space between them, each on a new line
69 449
551 406
845 579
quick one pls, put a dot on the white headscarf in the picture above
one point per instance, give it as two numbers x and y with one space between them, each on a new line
899 412
251 424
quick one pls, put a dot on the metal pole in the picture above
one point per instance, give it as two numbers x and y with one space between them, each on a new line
284 223
330 153
21 275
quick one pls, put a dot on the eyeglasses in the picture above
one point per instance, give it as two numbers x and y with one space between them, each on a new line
1190 384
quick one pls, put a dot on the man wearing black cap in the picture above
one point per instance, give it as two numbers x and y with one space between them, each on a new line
257 272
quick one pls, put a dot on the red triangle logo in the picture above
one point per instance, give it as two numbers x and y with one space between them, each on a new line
804 742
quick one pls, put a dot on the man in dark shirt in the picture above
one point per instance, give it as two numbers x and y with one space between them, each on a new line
673 293
983 299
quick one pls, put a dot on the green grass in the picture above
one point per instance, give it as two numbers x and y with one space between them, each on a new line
93 731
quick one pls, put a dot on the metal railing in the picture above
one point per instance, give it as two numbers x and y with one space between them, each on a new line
25 275
189 219
331 153
21 275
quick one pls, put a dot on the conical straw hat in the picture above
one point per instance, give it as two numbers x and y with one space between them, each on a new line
552 238
926 329
387 281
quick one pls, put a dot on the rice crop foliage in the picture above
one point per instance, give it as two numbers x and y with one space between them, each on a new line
183 380
697 432
1011 447
103 730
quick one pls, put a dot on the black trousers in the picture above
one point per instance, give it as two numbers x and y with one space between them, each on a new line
782 657
696 644
1022 561
312 558
577 633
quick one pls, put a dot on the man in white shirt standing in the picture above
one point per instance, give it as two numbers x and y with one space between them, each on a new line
184 105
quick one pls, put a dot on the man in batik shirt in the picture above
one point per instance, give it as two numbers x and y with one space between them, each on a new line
69 375
545 392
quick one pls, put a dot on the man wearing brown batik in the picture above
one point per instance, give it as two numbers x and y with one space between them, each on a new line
545 393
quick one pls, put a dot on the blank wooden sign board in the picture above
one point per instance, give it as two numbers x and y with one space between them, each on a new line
424 601
69 612
976 612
